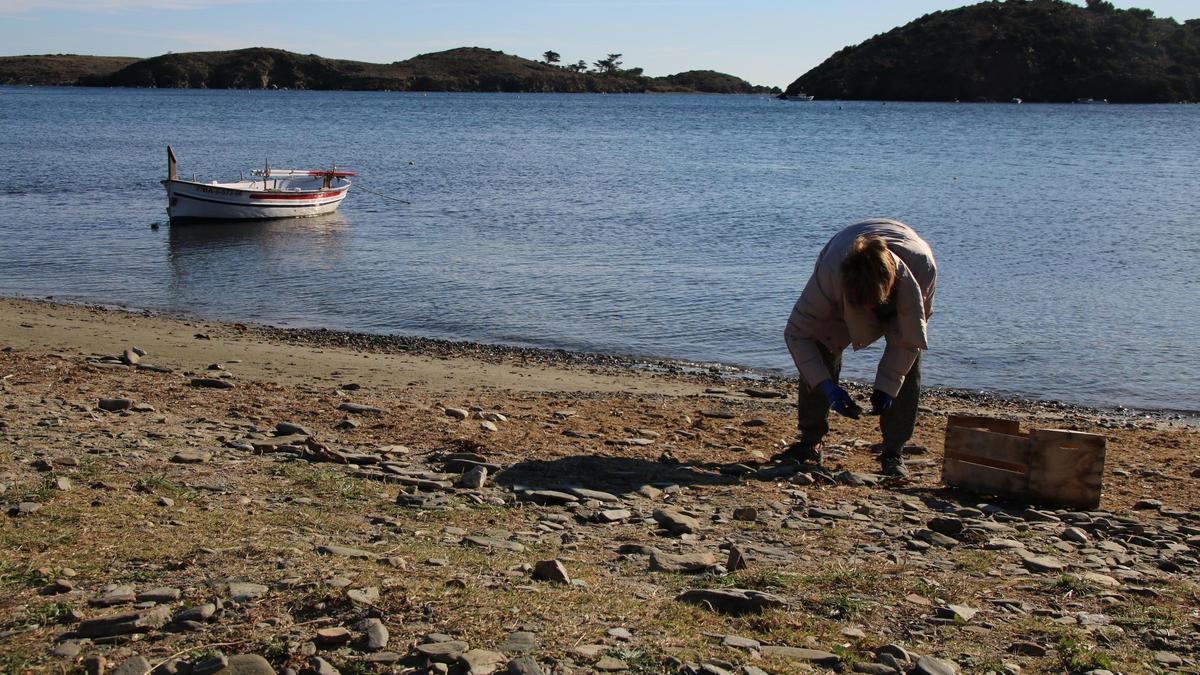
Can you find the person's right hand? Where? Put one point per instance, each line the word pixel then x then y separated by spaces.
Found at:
pixel 839 400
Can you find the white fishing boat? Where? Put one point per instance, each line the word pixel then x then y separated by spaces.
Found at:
pixel 798 96
pixel 269 193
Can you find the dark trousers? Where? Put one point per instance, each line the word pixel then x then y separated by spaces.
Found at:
pixel 896 423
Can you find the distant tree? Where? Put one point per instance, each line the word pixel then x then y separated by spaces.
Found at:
pixel 551 57
pixel 578 66
pixel 609 65
pixel 1100 6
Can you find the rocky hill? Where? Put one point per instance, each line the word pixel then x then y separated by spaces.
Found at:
pixel 58 69
pixel 1036 50
pixel 464 69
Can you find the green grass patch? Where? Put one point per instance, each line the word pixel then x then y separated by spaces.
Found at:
pixel 1077 656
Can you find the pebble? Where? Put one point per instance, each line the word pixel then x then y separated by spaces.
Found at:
pixel 291 429
pixel 357 409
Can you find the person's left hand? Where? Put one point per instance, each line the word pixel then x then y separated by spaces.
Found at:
pixel 880 402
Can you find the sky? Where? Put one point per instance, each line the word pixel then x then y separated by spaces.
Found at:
pixel 768 42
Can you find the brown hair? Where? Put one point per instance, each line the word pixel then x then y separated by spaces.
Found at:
pixel 868 272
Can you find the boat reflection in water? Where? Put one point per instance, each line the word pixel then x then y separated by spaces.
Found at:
pixel 285 267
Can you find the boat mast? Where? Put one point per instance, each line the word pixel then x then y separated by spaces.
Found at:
pixel 170 163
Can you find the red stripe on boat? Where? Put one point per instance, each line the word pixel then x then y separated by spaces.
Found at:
pixel 284 195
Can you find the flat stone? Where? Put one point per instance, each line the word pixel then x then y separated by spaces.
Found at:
pixel 376 633
pixel 332 636
pixel 492 542
pixel 117 595
pixel 598 495
pixel 67 649
pixel 424 500
pixel 735 601
pixel 25 509
pixel 474 478
pixel 957 612
pixel 520 641
pixel 689 563
pixel 932 665
pixel 613 515
pixel 322 667
pixel 457 413
pixel 291 429
pixel 745 513
pixel 358 409
pixel 549 497
pixel 241 591
pixel 675 521
pixel 525 665
pixel 481 661
pixel 607 664
pixel 126 623
pixel 162 594
pixel 814 656
pixel 739 642
pixel 345 552
pixel 1027 648
pixel 1076 535
pixel 191 457
pixel 1043 563
pixel 364 596
pixel 443 652
pixel 196 613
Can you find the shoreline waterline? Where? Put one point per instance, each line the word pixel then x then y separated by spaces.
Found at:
pixel 715 375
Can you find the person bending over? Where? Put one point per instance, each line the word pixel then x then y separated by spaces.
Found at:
pixel 873 279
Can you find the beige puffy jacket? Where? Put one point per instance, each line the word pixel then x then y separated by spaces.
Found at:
pixel 821 316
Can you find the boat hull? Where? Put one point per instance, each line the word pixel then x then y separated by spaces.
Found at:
pixel 199 202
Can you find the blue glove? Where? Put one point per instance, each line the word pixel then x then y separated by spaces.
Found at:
pixel 880 402
pixel 839 400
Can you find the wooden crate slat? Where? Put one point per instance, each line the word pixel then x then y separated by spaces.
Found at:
pixel 990 423
pixel 984 461
pixel 1066 467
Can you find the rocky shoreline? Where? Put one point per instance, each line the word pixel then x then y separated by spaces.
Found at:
pixel 196 497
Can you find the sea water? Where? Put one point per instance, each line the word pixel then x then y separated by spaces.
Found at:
pixel 672 226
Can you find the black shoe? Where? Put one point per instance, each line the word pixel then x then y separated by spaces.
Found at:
pixel 892 465
pixel 803 453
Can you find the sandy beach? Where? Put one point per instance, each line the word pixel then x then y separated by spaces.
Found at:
pixel 196 496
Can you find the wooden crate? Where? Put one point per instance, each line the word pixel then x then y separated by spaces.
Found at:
pixel 1040 466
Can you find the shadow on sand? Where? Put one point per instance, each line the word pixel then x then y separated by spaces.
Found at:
pixel 616 475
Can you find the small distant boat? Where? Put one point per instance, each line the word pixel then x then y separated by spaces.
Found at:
pixel 798 96
pixel 270 193
pixel 1091 101
pixel 1017 101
